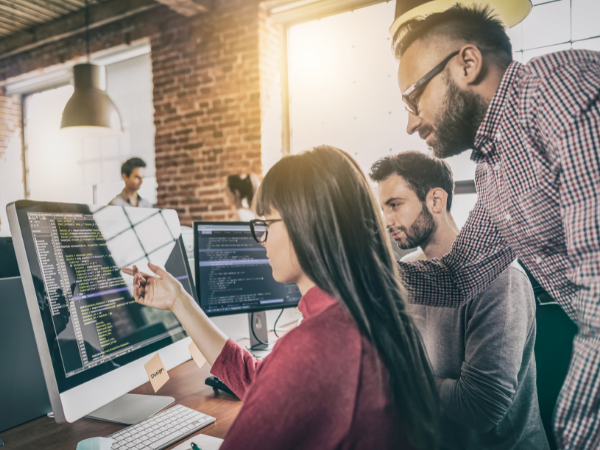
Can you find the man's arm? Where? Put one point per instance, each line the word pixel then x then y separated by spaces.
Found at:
pixel 479 254
pixel 567 108
pixel 500 325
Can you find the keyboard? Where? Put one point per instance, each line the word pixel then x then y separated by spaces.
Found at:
pixel 161 430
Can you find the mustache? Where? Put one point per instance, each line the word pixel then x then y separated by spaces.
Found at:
pixel 425 130
pixel 392 230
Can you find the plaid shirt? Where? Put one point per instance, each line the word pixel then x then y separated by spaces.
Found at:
pixel 538 184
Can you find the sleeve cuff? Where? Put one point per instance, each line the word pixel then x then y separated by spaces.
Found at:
pixel 229 350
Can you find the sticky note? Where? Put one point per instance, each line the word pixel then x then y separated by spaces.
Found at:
pixel 157 374
pixel 97 443
pixel 197 355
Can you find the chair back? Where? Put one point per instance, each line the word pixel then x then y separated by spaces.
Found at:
pixel 553 348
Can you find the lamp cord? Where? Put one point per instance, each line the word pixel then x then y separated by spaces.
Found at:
pixel 87 29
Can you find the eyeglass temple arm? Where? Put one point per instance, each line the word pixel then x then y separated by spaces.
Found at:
pixel 429 75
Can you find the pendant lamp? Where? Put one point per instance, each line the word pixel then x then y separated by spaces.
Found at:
pixel 511 12
pixel 90 111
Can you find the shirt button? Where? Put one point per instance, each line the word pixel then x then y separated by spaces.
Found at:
pixel 496 167
pixel 507 217
pixel 498 136
pixel 538 260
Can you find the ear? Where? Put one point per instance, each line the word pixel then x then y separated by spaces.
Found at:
pixel 437 199
pixel 468 69
pixel 125 177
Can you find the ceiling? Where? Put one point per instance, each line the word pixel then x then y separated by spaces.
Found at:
pixel 22 15
pixel 25 24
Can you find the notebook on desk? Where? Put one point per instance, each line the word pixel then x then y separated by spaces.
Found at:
pixel 203 441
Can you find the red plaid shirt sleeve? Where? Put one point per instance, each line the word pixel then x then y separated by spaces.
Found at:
pixel 569 131
pixel 479 254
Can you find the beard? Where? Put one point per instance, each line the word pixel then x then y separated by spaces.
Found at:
pixel 460 118
pixel 419 233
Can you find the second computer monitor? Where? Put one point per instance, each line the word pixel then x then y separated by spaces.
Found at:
pixel 233 274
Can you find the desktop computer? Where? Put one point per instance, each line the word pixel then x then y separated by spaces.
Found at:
pixel 93 339
pixel 233 276
pixel 23 393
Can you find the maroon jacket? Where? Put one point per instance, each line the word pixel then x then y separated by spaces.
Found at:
pixel 318 389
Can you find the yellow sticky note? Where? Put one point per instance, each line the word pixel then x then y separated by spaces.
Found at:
pixel 197 355
pixel 156 372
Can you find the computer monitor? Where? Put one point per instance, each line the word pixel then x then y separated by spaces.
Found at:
pixel 8 260
pixel 92 337
pixel 233 276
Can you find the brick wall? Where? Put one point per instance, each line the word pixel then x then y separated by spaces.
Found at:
pixel 11 167
pixel 209 95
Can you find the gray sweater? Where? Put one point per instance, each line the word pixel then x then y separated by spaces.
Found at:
pixel 484 350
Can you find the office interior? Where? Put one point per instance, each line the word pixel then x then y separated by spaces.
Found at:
pixel 211 88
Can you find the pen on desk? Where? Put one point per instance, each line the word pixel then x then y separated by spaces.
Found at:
pixel 195 447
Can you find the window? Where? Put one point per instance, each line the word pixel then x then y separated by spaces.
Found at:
pixel 557 25
pixel 344 92
pixel 343 80
pixel 67 169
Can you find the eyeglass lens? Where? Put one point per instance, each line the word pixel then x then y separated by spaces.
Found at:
pixel 260 231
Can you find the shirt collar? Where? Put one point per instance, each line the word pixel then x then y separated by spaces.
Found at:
pixel 490 125
pixel 125 197
pixel 314 302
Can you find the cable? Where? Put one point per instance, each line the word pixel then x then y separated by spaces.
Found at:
pixel 87 30
pixel 254 334
pixel 275 326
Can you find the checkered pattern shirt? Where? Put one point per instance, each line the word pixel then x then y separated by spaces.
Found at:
pixel 538 184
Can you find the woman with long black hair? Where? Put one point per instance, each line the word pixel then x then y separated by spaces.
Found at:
pixel 239 193
pixel 353 375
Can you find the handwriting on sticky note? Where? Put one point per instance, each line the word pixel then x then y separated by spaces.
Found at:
pixel 197 355
pixel 157 374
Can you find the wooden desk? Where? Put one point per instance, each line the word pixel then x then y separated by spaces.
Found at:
pixel 186 385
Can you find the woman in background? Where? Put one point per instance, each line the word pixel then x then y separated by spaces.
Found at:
pixel 353 374
pixel 239 193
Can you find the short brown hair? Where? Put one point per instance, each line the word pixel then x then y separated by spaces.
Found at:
pixel 475 24
pixel 421 171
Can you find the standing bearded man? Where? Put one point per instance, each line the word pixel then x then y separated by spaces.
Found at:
pixel 535 134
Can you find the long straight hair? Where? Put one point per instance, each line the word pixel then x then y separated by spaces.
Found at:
pixel 338 234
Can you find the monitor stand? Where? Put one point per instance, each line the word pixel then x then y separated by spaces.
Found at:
pixel 259 334
pixel 131 408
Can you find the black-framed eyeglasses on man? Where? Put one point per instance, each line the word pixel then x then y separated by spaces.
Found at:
pixel 260 229
pixel 411 95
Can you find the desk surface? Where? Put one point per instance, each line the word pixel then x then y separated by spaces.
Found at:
pixel 186 385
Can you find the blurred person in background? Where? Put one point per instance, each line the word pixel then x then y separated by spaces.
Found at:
pixel 132 172
pixel 239 193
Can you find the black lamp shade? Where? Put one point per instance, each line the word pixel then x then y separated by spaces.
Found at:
pixel 90 111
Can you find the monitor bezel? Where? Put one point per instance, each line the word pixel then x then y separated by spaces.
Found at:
pixel 78 401
pixel 197 274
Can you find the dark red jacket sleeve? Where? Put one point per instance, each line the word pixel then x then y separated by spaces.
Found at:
pixel 301 398
pixel 236 367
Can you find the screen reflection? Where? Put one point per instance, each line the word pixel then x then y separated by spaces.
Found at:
pixel 94 315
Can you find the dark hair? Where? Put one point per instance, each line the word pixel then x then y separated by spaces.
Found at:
pixel 338 235
pixel 243 186
pixel 421 171
pixel 130 164
pixel 475 24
